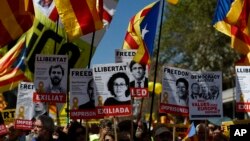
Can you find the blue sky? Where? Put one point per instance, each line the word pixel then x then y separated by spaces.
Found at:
pixel 114 36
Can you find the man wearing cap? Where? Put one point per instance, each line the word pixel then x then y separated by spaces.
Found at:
pixel 162 133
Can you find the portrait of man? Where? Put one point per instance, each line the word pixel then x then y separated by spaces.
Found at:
pixel 195 91
pixel 90 91
pixel 205 93
pixel 40 108
pixel 182 92
pixel 56 74
pixel 139 74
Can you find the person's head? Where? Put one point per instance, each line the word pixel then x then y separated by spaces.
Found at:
pixel 195 88
pixel 76 132
pixel 202 131
pixel 162 133
pixel 204 89
pixel 39 107
pixel 110 136
pixel 21 109
pixel 56 74
pixel 182 88
pixel 106 123
pixel 137 70
pixel 118 84
pixel 44 127
pixel 90 89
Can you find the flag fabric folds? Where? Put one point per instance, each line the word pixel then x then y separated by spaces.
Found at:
pixel 231 17
pixel 16 17
pixel 238 17
pixel 219 20
pixel 191 132
pixel 141 32
pixel 79 17
pixel 12 66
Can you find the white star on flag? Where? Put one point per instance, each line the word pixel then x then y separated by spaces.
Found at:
pixel 144 31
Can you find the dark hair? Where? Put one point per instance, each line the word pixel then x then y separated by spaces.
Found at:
pixel 56 66
pixel 106 123
pixel 132 64
pixel 113 78
pixel 194 84
pixel 183 80
pixel 90 87
pixel 72 132
pixel 47 123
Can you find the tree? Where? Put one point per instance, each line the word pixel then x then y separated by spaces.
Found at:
pixel 189 40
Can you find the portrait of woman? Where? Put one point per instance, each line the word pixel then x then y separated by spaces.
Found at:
pixel 118 85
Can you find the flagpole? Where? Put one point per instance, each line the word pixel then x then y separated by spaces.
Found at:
pixel 91 49
pixel 156 66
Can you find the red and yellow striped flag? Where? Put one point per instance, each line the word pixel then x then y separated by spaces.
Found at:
pixel 12 64
pixel 16 17
pixel 79 17
pixel 238 18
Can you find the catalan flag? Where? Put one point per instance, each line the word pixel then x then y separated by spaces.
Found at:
pixel 231 17
pixel 238 17
pixel 16 17
pixel 12 66
pixel 141 33
pixel 79 17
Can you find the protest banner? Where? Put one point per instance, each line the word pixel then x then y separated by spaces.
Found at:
pixel 25 107
pixel 82 94
pixel 205 100
pixel 113 95
pixel 242 88
pixel 138 73
pixel 174 97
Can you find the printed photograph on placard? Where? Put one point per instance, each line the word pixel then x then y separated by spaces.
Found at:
pixel 25 106
pixel 174 97
pixel 82 94
pixel 242 88
pixel 205 99
pixel 138 73
pixel 51 78
pixel 112 83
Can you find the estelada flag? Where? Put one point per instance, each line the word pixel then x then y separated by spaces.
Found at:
pixel 16 17
pixel 141 33
pixel 12 66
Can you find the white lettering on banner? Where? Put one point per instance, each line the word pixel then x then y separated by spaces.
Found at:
pixel 113 110
pixel 50 97
pixel 82 114
pixel 174 109
pixel 81 73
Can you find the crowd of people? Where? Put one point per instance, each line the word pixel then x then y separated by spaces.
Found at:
pixel 108 129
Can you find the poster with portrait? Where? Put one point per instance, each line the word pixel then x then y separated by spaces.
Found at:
pixel 112 86
pixel 205 99
pixel 174 97
pixel 82 94
pixel 138 73
pixel 25 107
pixel 242 88
pixel 51 78
pixel 45 6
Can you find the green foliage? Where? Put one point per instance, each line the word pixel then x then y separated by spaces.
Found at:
pixel 189 40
